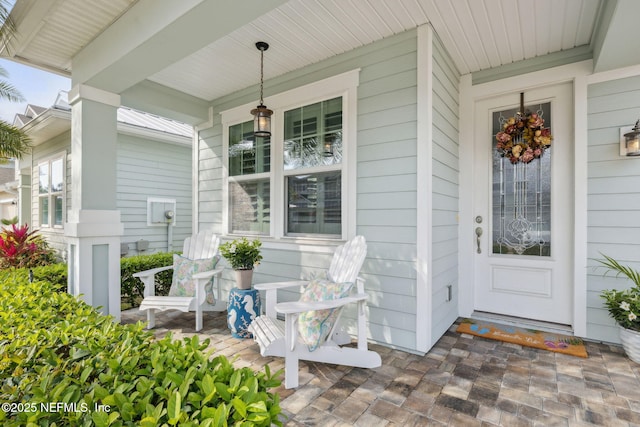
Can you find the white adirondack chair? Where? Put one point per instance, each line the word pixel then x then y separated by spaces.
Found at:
pixel 277 338
pixel 203 245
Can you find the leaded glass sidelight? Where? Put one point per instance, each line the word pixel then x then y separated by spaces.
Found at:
pixel 521 196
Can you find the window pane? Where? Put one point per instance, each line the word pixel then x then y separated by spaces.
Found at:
pixel 57 176
pixel 43 180
pixel 44 210
pixel 314 204
pixel 250 206
pixel 313 135
pixel 248 154
pixel 58 212
pixel 522 196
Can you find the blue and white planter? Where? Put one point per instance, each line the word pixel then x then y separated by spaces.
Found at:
pixel 244 306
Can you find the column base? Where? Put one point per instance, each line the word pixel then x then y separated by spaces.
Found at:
pixel 93 238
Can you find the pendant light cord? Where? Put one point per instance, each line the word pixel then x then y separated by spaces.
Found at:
pixel 261 74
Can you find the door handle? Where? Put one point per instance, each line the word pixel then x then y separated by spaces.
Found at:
pixel 478 234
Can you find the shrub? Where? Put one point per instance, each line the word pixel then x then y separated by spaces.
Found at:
pixel 20 248
pixel 55 274
pixel 132 289
pixel 63 362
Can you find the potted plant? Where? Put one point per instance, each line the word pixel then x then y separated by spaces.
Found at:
pixel 243 256
pixel 624 307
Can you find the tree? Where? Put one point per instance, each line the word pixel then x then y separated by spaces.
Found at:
pixel 14 143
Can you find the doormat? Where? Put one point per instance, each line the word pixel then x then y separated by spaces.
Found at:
pixel 526 337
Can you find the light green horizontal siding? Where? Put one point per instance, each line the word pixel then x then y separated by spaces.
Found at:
pixel 210 177
pixel 613 197
pixel 386 182
pixel 145 168
pixel 387 217
pixel 445 190
pixel 149 168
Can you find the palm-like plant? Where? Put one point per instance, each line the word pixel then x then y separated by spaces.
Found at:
pixel 623 306
pixel 14 143
pixel 621 270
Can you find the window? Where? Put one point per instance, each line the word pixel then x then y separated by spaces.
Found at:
pixel 314 204
pixel 295 183
pixel 51 192
pixel 249 183
pixel 312 168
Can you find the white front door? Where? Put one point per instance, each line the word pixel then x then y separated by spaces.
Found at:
pixel 523 238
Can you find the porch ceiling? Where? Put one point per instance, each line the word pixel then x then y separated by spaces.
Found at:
pixel 64 36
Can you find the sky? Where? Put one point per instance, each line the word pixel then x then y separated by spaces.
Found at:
pixel 36 86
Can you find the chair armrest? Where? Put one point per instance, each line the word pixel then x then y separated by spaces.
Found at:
pixel 152 271
pixel 148 279
pixel 293 307
pixel 207 274
pixel 279 285
pixel 271 295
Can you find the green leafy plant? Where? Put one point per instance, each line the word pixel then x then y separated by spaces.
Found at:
pixel 55 348
pixel 132 288
pixel 241 253
pixel 54 274
pixel 20 247
pixel 623 305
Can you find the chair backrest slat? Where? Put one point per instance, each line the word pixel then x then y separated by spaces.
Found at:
pixel 347 260
pixel 202 245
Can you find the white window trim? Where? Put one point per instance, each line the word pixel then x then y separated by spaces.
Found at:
pixel 48 161
pixel 344 85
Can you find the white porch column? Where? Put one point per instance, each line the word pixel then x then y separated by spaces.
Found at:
pixel 23 176
pixel 93 227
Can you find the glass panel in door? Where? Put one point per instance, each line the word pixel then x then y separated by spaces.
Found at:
pixel 521 185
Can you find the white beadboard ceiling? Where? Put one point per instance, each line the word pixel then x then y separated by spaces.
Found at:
pixel 479 34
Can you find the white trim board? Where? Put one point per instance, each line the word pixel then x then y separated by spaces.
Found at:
pixel 424 159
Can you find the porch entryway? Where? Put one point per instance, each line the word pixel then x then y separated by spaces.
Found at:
pixel 523 207
pixel 461 381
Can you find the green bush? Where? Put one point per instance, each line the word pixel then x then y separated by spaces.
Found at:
pixel 63 363
pixel 131 288
pixel 55 274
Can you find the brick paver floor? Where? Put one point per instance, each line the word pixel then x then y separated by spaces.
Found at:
pixel 462 381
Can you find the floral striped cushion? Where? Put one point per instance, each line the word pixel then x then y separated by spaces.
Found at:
pixel 314 326
pixel 183 268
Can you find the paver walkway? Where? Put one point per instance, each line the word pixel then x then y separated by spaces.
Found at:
pixel 462 381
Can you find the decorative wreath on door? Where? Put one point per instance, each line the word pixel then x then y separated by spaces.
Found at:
pixel 523 137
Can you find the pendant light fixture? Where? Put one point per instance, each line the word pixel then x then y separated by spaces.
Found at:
pixel 261 114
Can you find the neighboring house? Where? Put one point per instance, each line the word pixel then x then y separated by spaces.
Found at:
pixel 153 175
pixel 8 190
pixel 384 125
